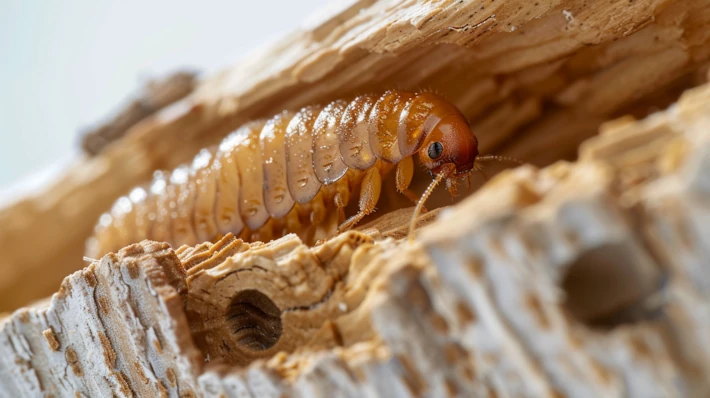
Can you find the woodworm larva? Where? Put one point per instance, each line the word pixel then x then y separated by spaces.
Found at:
pixel 267 177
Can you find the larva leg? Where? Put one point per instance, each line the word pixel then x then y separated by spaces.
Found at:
pixel 403 177
pixel 342 197
pixel 293 223
pixel 369 195
pixel 340 205
pixel 318 210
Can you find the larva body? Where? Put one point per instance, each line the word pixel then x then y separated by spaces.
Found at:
pixel 269 177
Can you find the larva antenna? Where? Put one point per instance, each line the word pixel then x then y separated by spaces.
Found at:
pixel 477 166
pixel 499 158
pixel 439 177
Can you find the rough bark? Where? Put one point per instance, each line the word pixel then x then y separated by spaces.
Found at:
pixel 535 78
pixel 578 279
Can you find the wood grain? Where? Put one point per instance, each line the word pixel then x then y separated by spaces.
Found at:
pixel 584 278
pixel 535 79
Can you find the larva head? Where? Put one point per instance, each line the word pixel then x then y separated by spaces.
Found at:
pixel 450 144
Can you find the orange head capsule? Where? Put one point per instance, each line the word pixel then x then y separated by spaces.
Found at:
pixel 449 148
pixel 450 143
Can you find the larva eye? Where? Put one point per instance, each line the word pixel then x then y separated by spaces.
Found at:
pixel 435 150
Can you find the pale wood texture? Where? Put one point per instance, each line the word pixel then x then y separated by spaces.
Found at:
pixel 580 279
pixel 535 77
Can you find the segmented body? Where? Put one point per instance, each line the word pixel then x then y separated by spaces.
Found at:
pixel 271 177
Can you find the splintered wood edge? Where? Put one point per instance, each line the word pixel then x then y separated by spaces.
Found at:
pixel 535 79
pixel 116 327
pixel 488 300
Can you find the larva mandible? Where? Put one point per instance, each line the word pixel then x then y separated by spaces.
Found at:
pixel 266 175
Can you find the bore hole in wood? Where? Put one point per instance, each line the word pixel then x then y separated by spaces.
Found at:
pixel 254 320
pixel 613 284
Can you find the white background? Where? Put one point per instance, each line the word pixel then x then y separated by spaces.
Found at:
pixel 65 65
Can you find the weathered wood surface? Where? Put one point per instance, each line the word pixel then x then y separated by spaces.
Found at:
pixel 579 279
pixel 535 78
pixel 155 95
